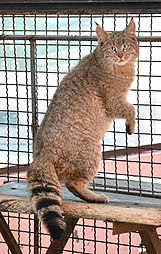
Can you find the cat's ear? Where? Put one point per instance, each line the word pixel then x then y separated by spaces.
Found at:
pixel 102 35
pixel 130 29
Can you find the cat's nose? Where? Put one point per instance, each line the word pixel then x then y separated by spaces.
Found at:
pixel 120 54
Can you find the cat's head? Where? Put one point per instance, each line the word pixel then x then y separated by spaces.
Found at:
pixel 118 48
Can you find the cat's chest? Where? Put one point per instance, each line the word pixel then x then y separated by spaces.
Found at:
pixel 115 86
pixel 124 72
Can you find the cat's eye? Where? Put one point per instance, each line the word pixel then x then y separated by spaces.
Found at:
pixel 113 49
pixel 125 47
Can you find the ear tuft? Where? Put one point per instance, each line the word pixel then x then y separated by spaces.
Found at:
pixel 130 29
pixel 102 35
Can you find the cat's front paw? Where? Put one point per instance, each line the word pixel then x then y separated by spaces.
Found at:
pixel 103 198
pixel 128 130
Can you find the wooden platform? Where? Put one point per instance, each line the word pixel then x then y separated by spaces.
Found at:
pixel 127 212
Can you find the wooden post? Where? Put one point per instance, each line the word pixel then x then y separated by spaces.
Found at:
pixel 147 233
pixel 151 241
pixel 8 236
pixel 57 247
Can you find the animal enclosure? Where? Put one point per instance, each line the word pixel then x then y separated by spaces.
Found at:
pixel 36 50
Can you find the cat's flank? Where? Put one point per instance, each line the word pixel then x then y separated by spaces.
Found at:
pixel 67 146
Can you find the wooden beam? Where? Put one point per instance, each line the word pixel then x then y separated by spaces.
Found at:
pixel 112 212
pixel 121 227
pixel 8 236
pixel 151 241
pixel 131 150
pixel 14 169
pixel 57 247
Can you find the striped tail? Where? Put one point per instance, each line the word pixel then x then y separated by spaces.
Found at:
pixel 46 198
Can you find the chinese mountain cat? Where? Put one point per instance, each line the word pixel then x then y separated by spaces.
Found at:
pixel 67 146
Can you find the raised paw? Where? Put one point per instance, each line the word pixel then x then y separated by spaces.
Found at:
pixel 128 130
pixel 130 127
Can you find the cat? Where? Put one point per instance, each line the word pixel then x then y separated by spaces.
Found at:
pixel 67 145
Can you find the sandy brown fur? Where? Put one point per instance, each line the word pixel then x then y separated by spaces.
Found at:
pixel 67 146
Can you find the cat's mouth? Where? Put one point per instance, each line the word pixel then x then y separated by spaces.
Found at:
pixel 121 62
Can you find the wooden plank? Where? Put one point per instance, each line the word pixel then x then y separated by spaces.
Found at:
pixel 19 191
pixel 110 186
pixel 16 189
pixel 8 236
pixel 57 247
pixel 121 208
pixel 134 213
pixel 151 241
pixel 113 213
pixel 107 212
pixel 123 186
pixel 120 228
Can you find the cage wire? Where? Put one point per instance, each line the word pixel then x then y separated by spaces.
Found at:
pixel 32 64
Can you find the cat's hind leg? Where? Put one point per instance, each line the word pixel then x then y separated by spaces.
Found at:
pixel 82 169
pixel 79 189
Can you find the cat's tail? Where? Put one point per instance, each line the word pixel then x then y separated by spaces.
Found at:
pixel 46 197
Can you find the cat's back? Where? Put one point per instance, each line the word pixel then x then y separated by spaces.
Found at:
pixel 76 109
pixel 77 89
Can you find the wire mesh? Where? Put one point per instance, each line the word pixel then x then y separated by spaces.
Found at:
pixel 34 57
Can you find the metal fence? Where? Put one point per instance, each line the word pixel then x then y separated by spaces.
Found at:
pixel 36 51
